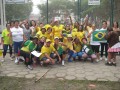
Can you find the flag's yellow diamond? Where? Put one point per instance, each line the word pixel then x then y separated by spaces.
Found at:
pixel 100 35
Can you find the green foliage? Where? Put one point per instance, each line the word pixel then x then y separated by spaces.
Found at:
pixel 18 11
pixel 102 11
pixel 55 6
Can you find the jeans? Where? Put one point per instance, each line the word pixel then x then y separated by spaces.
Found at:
pixel 5 48
pixel 70 53
pixel 79 54
pixel 17 46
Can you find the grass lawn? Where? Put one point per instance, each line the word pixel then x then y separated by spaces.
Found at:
pixel 12 83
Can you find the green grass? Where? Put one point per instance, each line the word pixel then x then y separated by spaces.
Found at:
pixel 11 83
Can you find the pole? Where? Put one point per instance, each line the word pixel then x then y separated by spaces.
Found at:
pixel 1 11
pixel 78 9
pixel 4 15
pixel 47 11
pixel 112 13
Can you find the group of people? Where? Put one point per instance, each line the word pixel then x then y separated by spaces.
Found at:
pixel 57 41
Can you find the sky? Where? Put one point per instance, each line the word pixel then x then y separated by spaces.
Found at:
pixel 35 3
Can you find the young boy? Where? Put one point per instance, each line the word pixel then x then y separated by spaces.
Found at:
pixel 87 51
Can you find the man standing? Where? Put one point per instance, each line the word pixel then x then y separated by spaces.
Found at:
pixel 17 36
pixel 6 41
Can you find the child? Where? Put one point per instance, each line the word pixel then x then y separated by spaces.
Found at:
pixel 87 51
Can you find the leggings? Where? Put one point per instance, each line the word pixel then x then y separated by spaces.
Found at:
pixel 102 49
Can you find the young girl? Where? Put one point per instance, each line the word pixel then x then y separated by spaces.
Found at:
pixel 112 38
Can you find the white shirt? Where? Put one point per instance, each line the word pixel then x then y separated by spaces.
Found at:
pixel 94 42
pixel 17 34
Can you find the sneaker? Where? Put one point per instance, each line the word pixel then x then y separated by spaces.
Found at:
pixel 108 64
pixel 101 59
pixel 97 60
pixel 16 61
pixel 11 58
pixel 114 63
pixel 3 59
pixel 106 59
pixel 30 67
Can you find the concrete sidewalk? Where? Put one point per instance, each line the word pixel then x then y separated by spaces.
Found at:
pixel 74 70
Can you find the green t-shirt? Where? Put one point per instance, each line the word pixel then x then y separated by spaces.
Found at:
pixel 87 49
pixel 6 37
pixel 30 45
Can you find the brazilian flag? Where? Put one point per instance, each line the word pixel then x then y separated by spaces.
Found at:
pixel 99 36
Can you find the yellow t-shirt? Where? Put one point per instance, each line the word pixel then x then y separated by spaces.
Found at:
pixel 47 26
pixel 49 36
pixel 69 44
pixel 74 32
pixel 57 31
pixel 80 35
pixel 77 48
pixel 39 34
pixel 61 26
pixel 47 50
pixel 38 29
pixel 6 38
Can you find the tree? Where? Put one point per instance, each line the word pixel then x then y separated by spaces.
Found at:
pixel 56 8
pixel 18 11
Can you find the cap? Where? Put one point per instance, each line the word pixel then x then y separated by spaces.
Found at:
pixel 43 28
pixel 35 37
pixel 48 40
pixel 56 38
pixel 69 35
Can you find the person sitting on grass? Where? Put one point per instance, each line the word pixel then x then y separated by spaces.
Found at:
pixel 87 51
pixel 27 48
pixel 49 53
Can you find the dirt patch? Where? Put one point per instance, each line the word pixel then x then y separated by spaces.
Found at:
pixel 11 83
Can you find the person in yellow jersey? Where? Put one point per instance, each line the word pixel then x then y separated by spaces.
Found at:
pixel 49 53
pixel 69 46
pixel 49 34
pixel 38 28
pixel 41 33
pixel 57 32
pixel 80 33
pixel 47 26
pixel 66 30
pixel 6 41
pixel 77 46
pixel 75 28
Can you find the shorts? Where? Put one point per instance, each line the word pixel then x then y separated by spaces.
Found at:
pixel 45 58
pixel 95 48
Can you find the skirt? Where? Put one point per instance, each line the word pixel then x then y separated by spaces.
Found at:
pixel 115 48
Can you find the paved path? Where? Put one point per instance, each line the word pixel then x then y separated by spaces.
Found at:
pixel 75 70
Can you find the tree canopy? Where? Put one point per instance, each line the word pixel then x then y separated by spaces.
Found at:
pixel 18 11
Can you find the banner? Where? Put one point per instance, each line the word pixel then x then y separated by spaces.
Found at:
pixel 99 35
pixel 93 2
